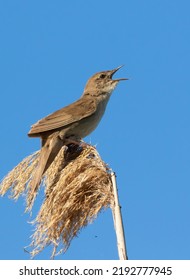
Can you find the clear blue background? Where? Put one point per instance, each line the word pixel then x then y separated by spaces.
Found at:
pixel 48 50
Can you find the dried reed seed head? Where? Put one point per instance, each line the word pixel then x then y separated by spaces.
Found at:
pixel 75 199
pixel 17 180
pixel 77 188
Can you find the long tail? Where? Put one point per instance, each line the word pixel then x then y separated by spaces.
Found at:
pixel 48 152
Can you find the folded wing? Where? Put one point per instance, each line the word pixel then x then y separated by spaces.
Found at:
pixel 76 111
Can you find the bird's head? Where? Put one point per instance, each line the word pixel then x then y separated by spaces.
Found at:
pixel 102 83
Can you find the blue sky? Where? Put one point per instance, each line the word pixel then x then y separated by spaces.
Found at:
pixel 48 50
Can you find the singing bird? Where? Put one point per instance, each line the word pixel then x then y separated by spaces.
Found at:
pixel 73 122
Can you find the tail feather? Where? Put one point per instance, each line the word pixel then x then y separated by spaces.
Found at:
pixel 48 153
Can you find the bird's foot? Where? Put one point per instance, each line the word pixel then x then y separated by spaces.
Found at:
pixel 75 142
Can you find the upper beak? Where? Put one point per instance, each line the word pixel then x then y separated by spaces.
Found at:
pixel 114 71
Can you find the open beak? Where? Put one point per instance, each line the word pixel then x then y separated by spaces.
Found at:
pixel 114 71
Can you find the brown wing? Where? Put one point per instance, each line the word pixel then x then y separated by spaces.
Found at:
pixel 78 110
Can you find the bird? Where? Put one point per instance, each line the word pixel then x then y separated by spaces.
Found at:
pixel 74 122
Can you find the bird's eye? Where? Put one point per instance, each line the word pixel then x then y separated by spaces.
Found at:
pixel 102 76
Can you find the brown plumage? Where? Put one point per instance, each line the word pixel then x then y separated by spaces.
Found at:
pixel 73 122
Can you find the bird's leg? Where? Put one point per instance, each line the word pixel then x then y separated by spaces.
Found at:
pixel 73 140
pixel 74 146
